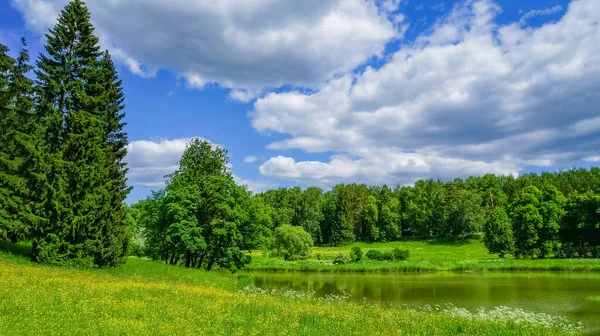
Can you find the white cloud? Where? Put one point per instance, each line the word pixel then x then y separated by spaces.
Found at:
pixel 250 159
pixel 540 12
pixel 150 160
pixel 248 45
pixel 468 97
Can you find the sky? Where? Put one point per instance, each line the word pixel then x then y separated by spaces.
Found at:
pixel 313 92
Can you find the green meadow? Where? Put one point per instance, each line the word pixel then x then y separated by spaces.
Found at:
pixel 425 256
pixel 149 298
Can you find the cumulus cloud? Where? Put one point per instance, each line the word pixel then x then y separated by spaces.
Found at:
pixel 247 45
pixel 150 160
pixel 250 159
pixel 468 97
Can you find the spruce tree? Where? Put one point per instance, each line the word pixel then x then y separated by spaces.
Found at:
pixel 114 230
pixel 72 84
pixel 18 210
pixel 6 66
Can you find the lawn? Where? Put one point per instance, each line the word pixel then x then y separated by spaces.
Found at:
pixel 425 256
pixel 150 298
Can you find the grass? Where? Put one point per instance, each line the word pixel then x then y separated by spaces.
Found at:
pixel 150 298
pixel 595 298
pixel 425 256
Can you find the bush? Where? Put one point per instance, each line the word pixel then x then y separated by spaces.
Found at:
pixel 340 259
pixel 400 254
pixel 356 254
pixel 374 255
pixel 388 255
pixel 318 256
pixel 292 242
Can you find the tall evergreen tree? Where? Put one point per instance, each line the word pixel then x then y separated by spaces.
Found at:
pixel 6 66
pixel 113 229
pixel 18 126
pixel 72 83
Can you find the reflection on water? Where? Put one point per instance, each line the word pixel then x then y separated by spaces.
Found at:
pixel 553 293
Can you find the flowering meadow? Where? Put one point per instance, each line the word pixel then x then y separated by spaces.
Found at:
pixel 150 298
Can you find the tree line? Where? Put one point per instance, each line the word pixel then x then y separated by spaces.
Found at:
pixel 62 175
pixel 533 215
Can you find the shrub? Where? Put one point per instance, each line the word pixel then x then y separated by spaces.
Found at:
pixel 388 255
pixel 318 256
pixel 374 255
pixel 356 254
pixel 292 242
pixel 340 259
pixel 400 254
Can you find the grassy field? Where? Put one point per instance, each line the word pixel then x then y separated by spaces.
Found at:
pixel 150 298
pixel 425 256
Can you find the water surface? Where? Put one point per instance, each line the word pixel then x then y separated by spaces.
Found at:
pixel 553 293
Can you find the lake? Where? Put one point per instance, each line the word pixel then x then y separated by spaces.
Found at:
pixel 553 293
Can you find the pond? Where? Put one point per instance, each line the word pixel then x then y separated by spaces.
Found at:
pixel 562 294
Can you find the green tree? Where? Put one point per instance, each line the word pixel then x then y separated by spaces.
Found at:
pixel 389 220
pixel 342 228
pixel 72 86
pixel 371 219
pixel 498 236
pixel 465 214
pixel 17 209
pixel 552 210
pixel 199 218
pixel 307 212
pixel 258 230
pixel 581 223
pixel 115 233
pixel 292 242
pixel 527 221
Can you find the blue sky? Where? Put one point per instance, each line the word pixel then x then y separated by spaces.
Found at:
pixel 372 91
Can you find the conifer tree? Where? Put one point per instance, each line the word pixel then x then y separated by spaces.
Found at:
pixel 6 65
pixel 114 230
pixel 18 209
pixel 72 83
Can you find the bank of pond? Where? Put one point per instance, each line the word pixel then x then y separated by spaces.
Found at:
pixel 424 256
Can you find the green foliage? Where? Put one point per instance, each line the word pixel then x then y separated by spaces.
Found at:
pixel 341 259
pixel 400 254
pixel 199 218
pixel 371 219
pixel 527 220
pixel 465 214
pixel 17 206
pixel 292 242
pixel 389 216
pixel 76 174
pixel 498 236
pixel 307 212
pixel 581 223
pixel 374 255
pixel 356 254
